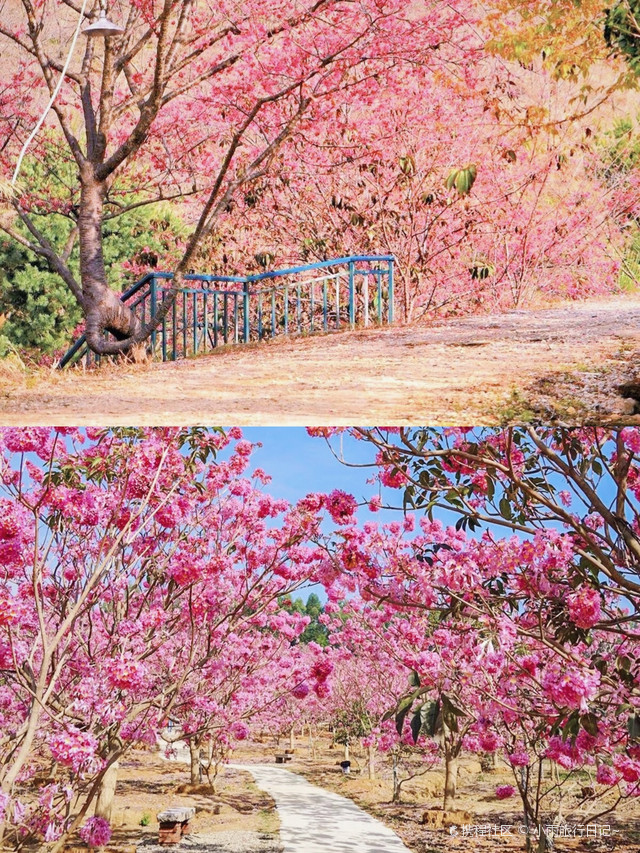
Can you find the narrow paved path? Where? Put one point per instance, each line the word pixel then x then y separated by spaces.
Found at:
pixel 313 820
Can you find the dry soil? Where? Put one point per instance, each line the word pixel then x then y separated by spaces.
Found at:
pixel 562 363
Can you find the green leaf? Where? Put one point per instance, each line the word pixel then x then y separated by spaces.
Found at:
pixel 430 715
pixel 571 726
pixel 624 663
pixel 589 723
pixel 414 679
pixel 416 725
pixel 633 726
pixel 505 507
pixel 401 716
pixel 462 179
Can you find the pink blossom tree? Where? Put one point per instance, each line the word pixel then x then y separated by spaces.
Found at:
pixel 135 566
pixel 192 100
pixel 480 204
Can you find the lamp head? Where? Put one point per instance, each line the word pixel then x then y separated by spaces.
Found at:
pixel 103 27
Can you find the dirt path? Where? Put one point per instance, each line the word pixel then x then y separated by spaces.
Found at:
pixel 475 370
pixel 313 820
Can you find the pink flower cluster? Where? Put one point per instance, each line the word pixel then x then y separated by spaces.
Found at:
pixel 488 741
pixel 629 768
pixel 519 758
pixel 570 687
pixel 389 475
pixel 29 440
pixel 9 522
pixel 239 730
pixel 322 669
pixel 96 832
pixel 503 792
pixel 341 506
pixel 74 749
pixel 9 610
pixel 124 672
pixel 606 775
pixel 584 607
pixel 185 571
pixel 562 752
pixel 300 691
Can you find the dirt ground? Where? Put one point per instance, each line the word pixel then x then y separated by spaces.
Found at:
pixel 563 364
pixel 476 810
pixel 147 784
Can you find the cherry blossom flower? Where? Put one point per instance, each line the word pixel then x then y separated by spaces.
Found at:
pixel 96 832
pixel 584 607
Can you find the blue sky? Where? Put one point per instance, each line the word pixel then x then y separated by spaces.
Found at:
pixel 300 464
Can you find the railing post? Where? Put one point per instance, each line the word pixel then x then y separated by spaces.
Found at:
pixel 185 297
pixel 390 297
pixel 273 312
pixel 153 305
pixel 174 329
pixel 247 329
pixel 194 296
pixel 365 297
pixel 352 294
pixel 325 319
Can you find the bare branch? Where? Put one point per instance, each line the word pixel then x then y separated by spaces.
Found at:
pixel 44 248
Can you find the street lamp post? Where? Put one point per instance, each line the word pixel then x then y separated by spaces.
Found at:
pixel 104 28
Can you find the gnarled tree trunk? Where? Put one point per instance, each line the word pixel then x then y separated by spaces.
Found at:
pixel 102 307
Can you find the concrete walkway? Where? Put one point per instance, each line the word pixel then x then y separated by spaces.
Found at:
pixel 313 820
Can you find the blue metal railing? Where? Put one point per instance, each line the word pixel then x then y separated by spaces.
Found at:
pixel 212 310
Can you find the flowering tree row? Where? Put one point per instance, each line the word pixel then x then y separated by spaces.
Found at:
pixel 483 189
pixel 191 100
pixel 142 597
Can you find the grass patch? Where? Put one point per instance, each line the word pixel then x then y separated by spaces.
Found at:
pixel 517 410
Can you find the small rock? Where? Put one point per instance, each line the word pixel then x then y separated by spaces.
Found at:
pixel 623 406
pixel 630 389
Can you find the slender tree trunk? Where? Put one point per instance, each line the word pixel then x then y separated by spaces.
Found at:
pixel 106 794
pixel 450 779
pixel 102 307
pixel 395 797
pixel 346 750
pixel 544 843
pixel 211 764
pixel 488 762
pixel 372 761
pixel 292 738
pixel 194 753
